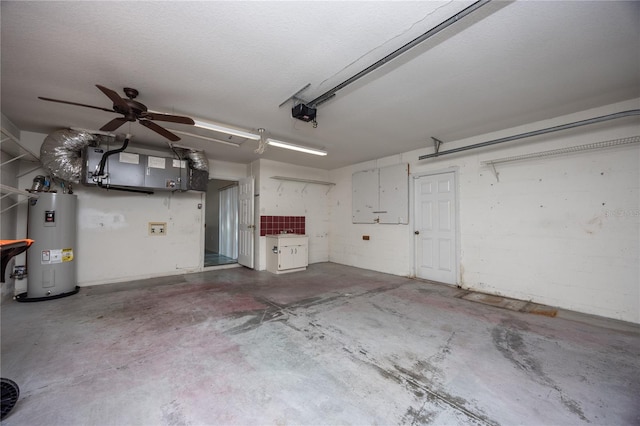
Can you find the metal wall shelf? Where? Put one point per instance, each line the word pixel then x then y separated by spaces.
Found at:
pixel 10 145
pixel 305 181
pixel 560 151
pixel 292 179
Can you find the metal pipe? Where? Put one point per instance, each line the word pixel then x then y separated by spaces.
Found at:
pixel 594 120
pixel 433 31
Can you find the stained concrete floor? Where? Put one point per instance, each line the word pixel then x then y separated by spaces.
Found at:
pixel 333 345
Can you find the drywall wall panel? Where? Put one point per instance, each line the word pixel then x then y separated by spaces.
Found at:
pixel 287 198
pixel 386 249
pixel 226 170
pixel 114 243
pixel 563 231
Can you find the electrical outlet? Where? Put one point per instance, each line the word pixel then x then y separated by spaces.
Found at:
pixel 157 228
pixel 365 237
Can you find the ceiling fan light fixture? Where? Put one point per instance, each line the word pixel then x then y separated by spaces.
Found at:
pixel 227 130
pixel 294 147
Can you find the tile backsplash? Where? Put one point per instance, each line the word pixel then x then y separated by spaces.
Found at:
pixel 277 224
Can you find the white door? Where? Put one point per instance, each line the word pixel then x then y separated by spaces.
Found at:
pixel 435 228
pixel 246 226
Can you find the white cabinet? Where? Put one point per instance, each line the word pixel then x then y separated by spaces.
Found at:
pixel 287 253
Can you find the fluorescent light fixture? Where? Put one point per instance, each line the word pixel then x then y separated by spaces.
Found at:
pixel 220 128
pixel 294 147
pixel 204 138
pixel 227 130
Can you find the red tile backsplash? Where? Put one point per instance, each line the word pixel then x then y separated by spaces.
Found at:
pixel 277 224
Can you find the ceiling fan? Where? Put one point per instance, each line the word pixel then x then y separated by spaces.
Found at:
pixel 131 110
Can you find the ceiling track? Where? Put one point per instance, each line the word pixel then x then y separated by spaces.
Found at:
pixel 413 43
pixel 572 125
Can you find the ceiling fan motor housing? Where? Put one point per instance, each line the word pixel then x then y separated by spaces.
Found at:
pixel 135 109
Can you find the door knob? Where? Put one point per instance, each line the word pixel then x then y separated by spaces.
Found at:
pixel 416 232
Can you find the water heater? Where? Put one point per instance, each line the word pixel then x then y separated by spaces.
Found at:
pixel 51 259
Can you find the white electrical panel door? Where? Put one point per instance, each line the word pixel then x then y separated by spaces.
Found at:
pixel 394 194
pixel 364 197
pixel 381 195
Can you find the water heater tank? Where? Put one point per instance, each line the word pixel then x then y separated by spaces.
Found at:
pixel 51 260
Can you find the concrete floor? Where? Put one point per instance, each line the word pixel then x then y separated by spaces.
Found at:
pixel 332 345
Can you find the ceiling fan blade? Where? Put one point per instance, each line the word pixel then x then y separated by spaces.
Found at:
pixel 115 98
pixel 74 103
pixel 113 124
pixel 160 130
pixel 167 117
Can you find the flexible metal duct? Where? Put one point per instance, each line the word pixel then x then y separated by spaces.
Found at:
pixel 60 154
pixel 198 160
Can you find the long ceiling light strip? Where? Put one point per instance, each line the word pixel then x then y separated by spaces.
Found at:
pixel 294 147
pixel 220 128
pixel 204 137
pixel 227 130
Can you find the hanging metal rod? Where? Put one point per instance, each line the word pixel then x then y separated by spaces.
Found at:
pixel 567 150
pixel 594 120
pixel 433 31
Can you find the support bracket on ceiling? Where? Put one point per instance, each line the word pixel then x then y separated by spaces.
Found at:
pixel 295 97
pixel 436 145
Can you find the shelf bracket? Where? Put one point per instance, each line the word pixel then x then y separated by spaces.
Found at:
pixel 495 172
pixel 436 144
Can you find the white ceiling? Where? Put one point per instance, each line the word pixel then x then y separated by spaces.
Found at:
pixel 235 62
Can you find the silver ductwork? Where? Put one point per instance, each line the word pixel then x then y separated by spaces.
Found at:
pixel 61 154
pixel 79 156
pixel 198 160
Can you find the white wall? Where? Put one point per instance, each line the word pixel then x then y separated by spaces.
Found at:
pixel 387 249
pixel 113 240
pixel 285 198
pixel 563 231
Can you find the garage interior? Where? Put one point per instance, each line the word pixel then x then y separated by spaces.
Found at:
pixel 429 212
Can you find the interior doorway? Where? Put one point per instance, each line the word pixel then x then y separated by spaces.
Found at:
pixel 221 223
pixel 436 224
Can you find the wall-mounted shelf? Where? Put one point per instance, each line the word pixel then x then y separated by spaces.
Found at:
pixel 305 181
pixel 292 179
pixel 560 151
pixel 7 191
pixel 11 146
